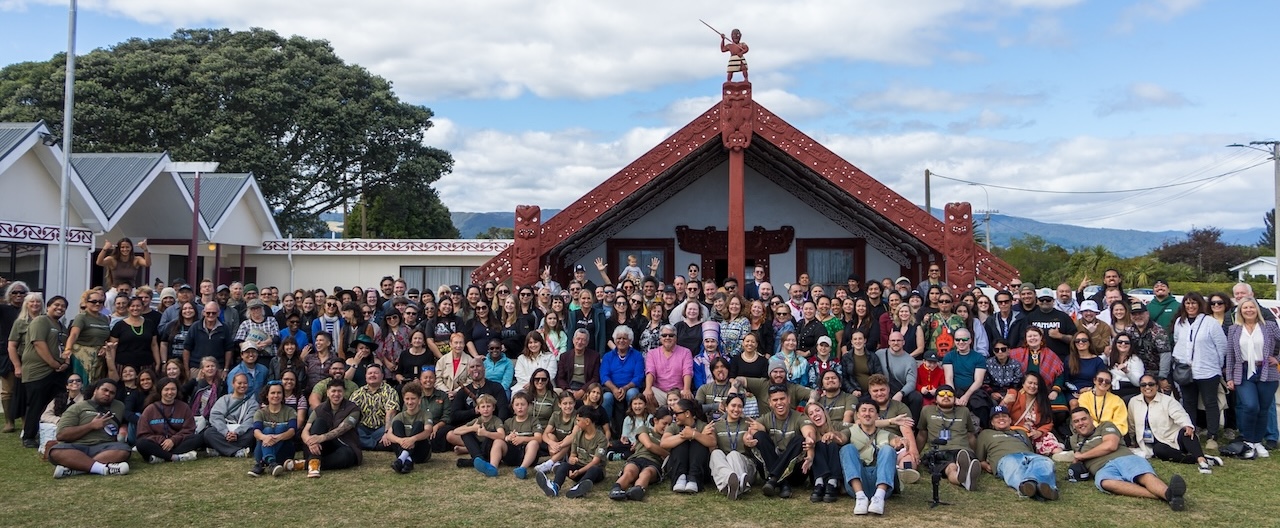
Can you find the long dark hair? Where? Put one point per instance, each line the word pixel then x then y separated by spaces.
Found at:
pixel 692 406
pixel 158 386
pixel 1043 410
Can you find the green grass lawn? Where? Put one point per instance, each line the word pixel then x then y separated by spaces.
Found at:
pixel 217 492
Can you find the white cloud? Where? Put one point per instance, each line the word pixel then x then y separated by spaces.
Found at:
pixel 924 99
pixel 578 48
pixel 988 119
pixel 1139 96
pixel 1158 10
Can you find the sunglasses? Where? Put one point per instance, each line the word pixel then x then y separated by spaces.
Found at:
pixel 492 348
pixel 636 301
pixel 70 381
pixel 942 301
pixel 481 307
pixel 782 314
pixel 998 349
pixel 488 288
pixel 1122 342
pixel 540 380
pixel 526 294
pixel 946 394
pixel 1147 384
pixel 1082 340
pixel 962 340
pixel 1101 380
pixel 410 313
pixel 1217 303
pixel 18 292
pixel 610 291
pixel 1004 301
pixel 94 301
pixel 667 335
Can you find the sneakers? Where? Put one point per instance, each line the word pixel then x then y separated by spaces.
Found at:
pixel 295 465
pixel 617 493
pixel 908 476
pixel 832 491
pixel 770 488
pixel 1048 492
pixel 258 469
pixel 1270 444
pixel 1211 444
pixel 154 459
pixel 397 465
pixel 733 487
pixel 548 487
pixel 545 467
pixel 862 505
pixel 407 466
pixel 313 468
pixel 275 470
pixel 1064 456
pixel 969 469
pixel 119 468
pixel 614 456
pixel 678 487
pixel 1204 468
pixel 521 472
pixel 818 491
pixel 1249 453
pixel 579 490
pixel 1261 450
pixel 243 453
pixel 636 493
pixel 64 472
pixel 466 462
pixel 209 452
pixel 691 486
pixel 1176 493
pixel 189 456
pixel 484 467
pixel 1027 489
pixel 877 504
pixel 1213 460
pixel 784 491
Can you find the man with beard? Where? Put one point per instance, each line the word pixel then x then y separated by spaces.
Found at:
pixel 869 459
pixel 1007 454
pixel 1057 326
pixel 778 443
pixel 951 430
pixel 89 436
pixel 1007 323
pixel 1114 468
pixel 378 404
pixel 1110 281
pixel 463 405
pixel 894 416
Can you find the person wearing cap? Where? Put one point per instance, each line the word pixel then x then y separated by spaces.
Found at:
pixel 1007 453
pixel 1149 341
pixel 950 429
pixel 184 295
pixel 929 376
pixel 1110 281
pixel 822 361
pixel 259 329
pixel 256 373
pixel 1100 334
pixel 1163 307
pixel 1114 468
pixel 1058 326
pixel 1026 301
pixel 903 287
pixel 777 440
pixel 378 404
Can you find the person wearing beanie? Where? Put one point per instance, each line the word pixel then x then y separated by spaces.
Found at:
pixel 709 351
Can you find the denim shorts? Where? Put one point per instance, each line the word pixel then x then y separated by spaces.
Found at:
pixel 1127 468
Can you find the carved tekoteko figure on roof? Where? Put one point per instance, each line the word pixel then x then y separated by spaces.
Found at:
pixel 736 48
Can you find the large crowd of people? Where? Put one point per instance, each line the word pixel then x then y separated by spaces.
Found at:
pixel 850 389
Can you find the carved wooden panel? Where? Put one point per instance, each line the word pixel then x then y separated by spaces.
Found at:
pixel 960 249
pixel 736 115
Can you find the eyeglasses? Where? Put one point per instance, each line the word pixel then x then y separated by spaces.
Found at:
pixel 782 314
pixel 1082 340
pixel 944 301
pixel 667 335
pixel 492 348
pixel 410 313
pixel 610 291
pixel 1125 342
pixel 504 292
pixel 526 294
pixel 488 288
pixel 731 287
pixel 935 270
pixel 18 292
pixel 1146 384
pixel 946 394
pixel 637 301
pixel 481 307
pixel 74 380
pixel 1015 284
pixel 330 305
pixel 211 313
pixel 1003 301
pixel 1101 379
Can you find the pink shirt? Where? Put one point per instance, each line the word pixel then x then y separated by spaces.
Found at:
pixel 669 372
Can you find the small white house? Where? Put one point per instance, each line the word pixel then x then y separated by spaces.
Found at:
pixel 1257 267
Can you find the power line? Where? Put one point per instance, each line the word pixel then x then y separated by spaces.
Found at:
pixel 1142 189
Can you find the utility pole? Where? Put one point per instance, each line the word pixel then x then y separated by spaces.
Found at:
pixel 928 203
pixel 987 220
pixel 1273 148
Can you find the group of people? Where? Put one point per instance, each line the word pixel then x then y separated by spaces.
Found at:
pixel 847 390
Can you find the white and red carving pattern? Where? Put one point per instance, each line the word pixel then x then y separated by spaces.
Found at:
pixel 324 245
pixel 42 233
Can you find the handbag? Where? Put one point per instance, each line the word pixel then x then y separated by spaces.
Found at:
pixel 1181 372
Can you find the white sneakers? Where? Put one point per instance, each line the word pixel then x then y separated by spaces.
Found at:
pixel 119 468
pixel 877 504
pixel 1261 450
pixel 187 457
pixel 64 472
pixel 862 505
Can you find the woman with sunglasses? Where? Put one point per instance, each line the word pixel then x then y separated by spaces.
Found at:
pixel 516 325
pixel 688 441
pixel 484 326
pixel 1163 429
pixel 1103 406
pixel 393 339
pixel 1251 371
pixel 1126 367
pixel 73 394
pixel 497 367
pixel 1222 310
pixel 782 325
pixel 1198 341
pixel 1083 366
pixel 89 332
pixel 622 315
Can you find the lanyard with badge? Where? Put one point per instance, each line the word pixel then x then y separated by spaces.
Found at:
pixel 945 434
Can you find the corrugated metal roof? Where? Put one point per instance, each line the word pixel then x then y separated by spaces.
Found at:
pixel 112 178
pixel 216 193
pixel 13 133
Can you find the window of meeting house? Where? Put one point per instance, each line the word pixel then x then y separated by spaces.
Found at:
pixel 432 277
pixel 828 265
pixel 24 262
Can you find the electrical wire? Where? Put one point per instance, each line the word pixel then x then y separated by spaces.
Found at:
pixel 1119 191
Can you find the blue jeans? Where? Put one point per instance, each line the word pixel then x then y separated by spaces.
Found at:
pixel 1016 468
pixel 1253 398
pixel 607 404
pixel 369 438
pixel 884 471
pixel 278 452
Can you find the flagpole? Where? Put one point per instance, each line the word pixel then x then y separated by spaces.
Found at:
pixel 68 103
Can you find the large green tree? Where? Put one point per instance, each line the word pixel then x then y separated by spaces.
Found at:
pixel 313 129
pixel 1036 259
pixel 1204 250
pixel 401 211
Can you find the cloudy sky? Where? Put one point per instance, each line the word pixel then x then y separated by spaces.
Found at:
pixel 541 101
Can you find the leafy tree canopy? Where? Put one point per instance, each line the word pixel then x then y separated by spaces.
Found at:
pixel 401 211
pixel 313 129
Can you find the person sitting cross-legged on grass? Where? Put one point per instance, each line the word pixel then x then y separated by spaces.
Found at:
pixel 644 466
pixel 89 435
pixel 731 467
pixel 586 463
pixel 1009 454
pixel 479 437
pixel 274 426
pixel 822 441
pixel 412 429
pixel 167 428
pixel 559 431
pixel 231 421
pixel 1114 469
pixel 330 439
pixel 869 461
pixel 524 434
pixel 777 440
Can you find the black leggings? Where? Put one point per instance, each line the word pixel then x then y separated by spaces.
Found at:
pixel 421 451
pixel 148 448
pixel 1187 452
pixel 1203 391
pixel 477 447
pixel 39 393
pixel 826 461
pixel 775 463
pixel 595 474
pixel 689 458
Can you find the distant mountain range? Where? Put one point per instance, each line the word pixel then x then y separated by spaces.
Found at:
pixel 1123 242
pixel 1004 228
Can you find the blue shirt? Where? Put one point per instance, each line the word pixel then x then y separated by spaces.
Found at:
pixel 963 368
pixel 300 336
pixel 501 372
pixel 258 378
pixel 622 370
